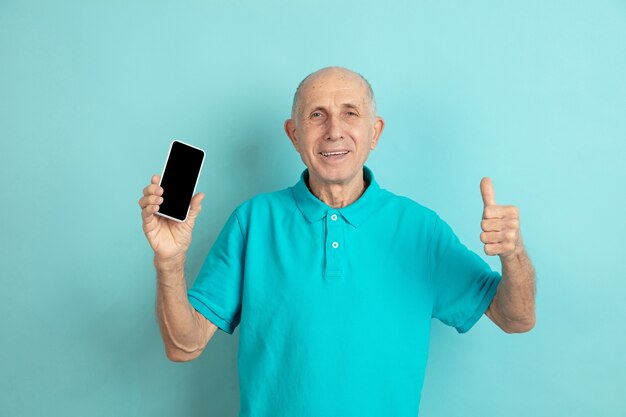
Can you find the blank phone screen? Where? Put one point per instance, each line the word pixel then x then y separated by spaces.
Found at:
pixel 179 179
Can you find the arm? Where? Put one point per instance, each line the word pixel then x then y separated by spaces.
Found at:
pixel 184 331
pixel 513 306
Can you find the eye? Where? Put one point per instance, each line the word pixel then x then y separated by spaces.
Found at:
pixel 351 113
pixel 316 115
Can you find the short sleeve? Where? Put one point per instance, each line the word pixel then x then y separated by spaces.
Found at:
pixel 463 282
pixel 217 291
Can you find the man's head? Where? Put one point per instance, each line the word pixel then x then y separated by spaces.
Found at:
pixel 296 97
pixel 334 125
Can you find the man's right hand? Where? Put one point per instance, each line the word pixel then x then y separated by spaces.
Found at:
pixel 168 238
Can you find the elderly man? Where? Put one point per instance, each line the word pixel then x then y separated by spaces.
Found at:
pixel 334 281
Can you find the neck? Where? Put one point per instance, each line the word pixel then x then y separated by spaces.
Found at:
pixel 338 195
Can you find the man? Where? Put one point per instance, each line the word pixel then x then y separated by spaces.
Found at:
pixel 334 281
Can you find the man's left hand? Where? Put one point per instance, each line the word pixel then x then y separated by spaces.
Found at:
pixel 500 224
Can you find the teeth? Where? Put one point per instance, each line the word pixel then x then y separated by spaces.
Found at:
pixel 334 153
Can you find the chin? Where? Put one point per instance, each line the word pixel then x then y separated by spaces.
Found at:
pixel 336 175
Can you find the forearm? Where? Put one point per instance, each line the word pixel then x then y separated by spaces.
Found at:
pixel 179 327
pixel 515 297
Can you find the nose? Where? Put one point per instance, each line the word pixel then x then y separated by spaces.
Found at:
pixel 335 128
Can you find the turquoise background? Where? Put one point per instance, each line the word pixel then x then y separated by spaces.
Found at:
pixel 532 94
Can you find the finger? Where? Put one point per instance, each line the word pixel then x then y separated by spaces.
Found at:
pixel 150 199
pixel 196 201
pixel 153 189
pixel 486 189
pixel 154 180
pixel 491 225
pixel 498 248
pixel 492 237
pixel 150 220
pixel 148 213
pixel 492 249
pixel 196 205
pixel 497 225
pixel 501 212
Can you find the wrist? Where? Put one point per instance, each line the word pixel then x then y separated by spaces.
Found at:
pixel 170 263
pixel 513 258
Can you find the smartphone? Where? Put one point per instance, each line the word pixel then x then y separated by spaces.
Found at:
pixel 178 180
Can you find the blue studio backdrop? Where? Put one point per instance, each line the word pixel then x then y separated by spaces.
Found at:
pixel 531 94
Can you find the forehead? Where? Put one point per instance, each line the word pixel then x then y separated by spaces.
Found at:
pixel 334 86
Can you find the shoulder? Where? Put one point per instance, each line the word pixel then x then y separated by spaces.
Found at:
pixel 266 204
pixel 405 206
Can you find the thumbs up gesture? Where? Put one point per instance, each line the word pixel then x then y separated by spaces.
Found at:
pixel 500 224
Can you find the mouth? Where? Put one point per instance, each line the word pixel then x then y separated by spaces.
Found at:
pixel 334 154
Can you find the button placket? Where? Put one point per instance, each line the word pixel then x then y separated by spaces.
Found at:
pixel 334 245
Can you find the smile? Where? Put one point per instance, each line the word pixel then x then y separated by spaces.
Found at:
pixel 337 153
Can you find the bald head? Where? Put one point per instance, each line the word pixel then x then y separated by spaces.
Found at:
pixel 336 72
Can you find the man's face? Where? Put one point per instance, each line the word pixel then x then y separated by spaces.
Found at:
pixel 334 128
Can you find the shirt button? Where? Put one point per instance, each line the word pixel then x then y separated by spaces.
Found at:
pixel 333 217
pixel 335 245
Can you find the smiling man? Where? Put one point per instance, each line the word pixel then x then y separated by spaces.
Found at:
pixel 334 127
pixel 333 282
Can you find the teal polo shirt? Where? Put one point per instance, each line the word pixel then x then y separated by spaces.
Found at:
pixel 334 305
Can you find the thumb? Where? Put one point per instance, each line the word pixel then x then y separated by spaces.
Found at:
pixel 196 205
pixel 486 189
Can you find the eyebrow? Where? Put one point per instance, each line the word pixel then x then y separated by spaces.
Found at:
pixel 350 106
pixel 343 106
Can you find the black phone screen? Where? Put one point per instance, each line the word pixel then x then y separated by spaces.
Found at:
pixel 179 179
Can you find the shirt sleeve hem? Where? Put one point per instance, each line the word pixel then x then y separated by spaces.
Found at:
pixel 210 315
pixel 482 307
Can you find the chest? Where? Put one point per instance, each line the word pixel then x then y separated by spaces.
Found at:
pixel 330 269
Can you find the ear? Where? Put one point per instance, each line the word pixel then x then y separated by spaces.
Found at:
pixel 379 125
pixel 290 130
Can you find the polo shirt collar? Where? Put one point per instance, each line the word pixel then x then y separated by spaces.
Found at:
pixel 314 209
